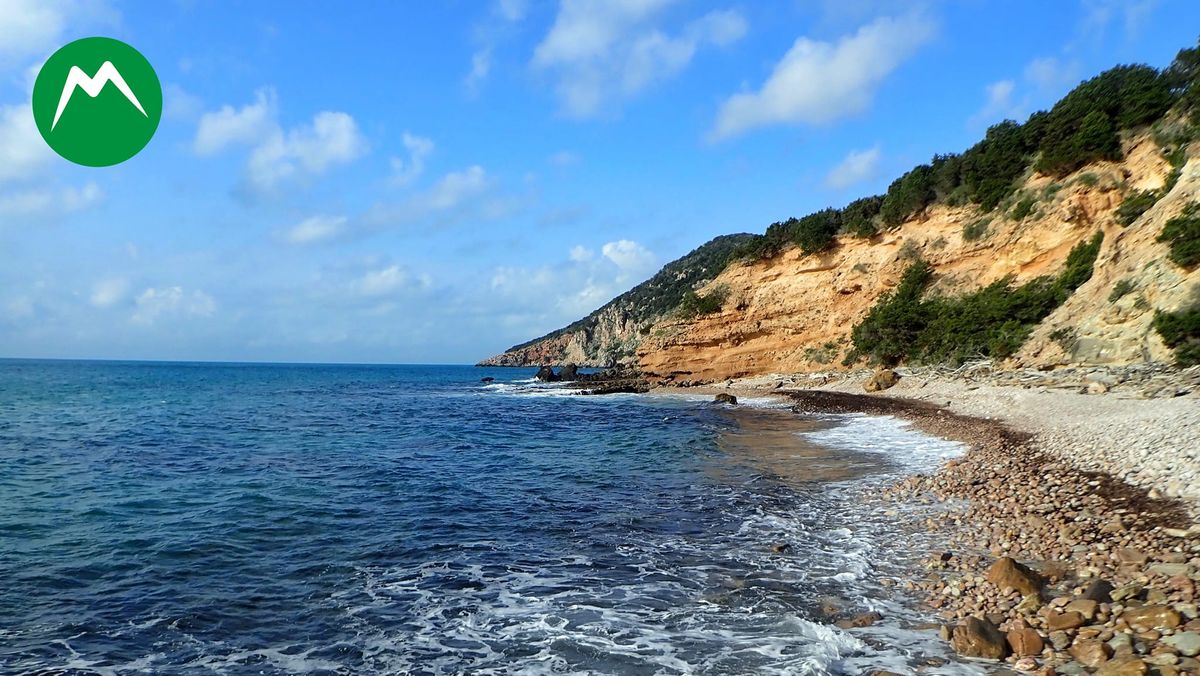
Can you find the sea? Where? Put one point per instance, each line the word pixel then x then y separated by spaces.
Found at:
pixel 276 518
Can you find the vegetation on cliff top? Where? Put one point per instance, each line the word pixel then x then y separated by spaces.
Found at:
pixel 991 322
pixel 1083 127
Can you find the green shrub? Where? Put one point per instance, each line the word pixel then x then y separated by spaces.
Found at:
pixel 1183 77
pixel 693 305
pixel 992 166
pixel 1089 179
pixel 1181 332
pixel 859 217
pixel 976 229
pixel 993 321
pixel 1135 204
pixel 1121 289
pixel 1023 208
pixel 815 232
pixel 1183 234
pixel 907 195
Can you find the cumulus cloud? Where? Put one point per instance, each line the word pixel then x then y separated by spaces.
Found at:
pixel 390 280
pixel 600 52
pixel 998 104
pixel 153 304
pixel 503 16
pixel 467 194
pixel 109 292
pixel 23 153
pixel 631 258
pixel 580 253
pixel 822 82
pixel 316 229
pixel 858 166
pixel 34 28
pixel 405 171
pixel 280 156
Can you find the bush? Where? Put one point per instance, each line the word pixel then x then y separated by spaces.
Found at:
pixel 976 230
pixel 693 305
pixel 1181 332
pixel 1120 290
pixel 1183 234
pixel 907 195
pixel 859 216
pixel 1135 204
pixel 1183 77
pixel 1023 208
pixel 815 232
pixel 992 166
pixel 992 322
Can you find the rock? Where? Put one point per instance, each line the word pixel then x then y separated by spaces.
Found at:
pixel 1090 652
pixel 1060 640
pixel 1024 640
pixel 1085 607
pixel 1096 387
pixel 725 398
pixel 1006 572
pixel 1064 621
pixel 1128 591
pixel 979 638
pixel 1130 666
pixel 1029 604
pixel 569 372
pixel 1153 617
pixel 881 380
pixel 1187 643
pixel 1025 664
pixel 858 621
pixel 1170 569
pixel 781 548
pixel 1131 555
pixel 1099 591
pixel 546 374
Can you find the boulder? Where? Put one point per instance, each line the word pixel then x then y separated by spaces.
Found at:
pixel 1153 617
pixel 974 637
pixel 1064 621
pixel 487 379
pixel 1024 640
pixel 881 380
pixel 858 621
pixel 1006 572
pixel 1090 652
pixel 1187 643
pixel 725 398
pixel 1099 591
pixel 546 375
pixel 1125 667
pixel 568 372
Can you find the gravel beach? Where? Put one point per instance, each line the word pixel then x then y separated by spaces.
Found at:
pixel 1070 531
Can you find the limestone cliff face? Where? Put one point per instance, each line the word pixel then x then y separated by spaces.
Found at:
pixel 794 313
pixel 611 334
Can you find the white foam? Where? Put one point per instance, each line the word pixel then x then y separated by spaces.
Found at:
pixel 892 437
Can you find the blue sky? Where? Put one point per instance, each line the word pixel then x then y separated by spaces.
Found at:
pixel 433 182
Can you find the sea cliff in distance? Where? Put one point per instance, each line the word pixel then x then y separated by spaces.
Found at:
pixel 1073 237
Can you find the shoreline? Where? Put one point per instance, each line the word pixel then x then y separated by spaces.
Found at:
pixel 1050 565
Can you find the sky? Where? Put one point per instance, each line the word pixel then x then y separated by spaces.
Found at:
pixel 432 182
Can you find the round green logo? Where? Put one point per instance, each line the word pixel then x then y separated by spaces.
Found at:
pixel 97 102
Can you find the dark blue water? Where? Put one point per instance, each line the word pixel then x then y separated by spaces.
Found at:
pixel 282 519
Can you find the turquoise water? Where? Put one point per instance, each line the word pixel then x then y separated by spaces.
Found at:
pixel 278 519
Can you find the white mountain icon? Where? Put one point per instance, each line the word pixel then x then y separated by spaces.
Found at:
pixel 77 79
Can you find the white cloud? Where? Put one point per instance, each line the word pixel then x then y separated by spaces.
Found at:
pixel 580 253
pixel 512 10
pixel 109 292
pixel 280 156
pixel 23 152
pixel 316 229
pixel 246 125
pixel 481 67
pixel 456 187
pixel 821 82
pixel 389 281
pixel 406 171
pixel 50 201
pixel 601 51
pixel 998 105
pixel 630 257
pixel 504 15
pixel 858 166
pixel 34 28
pixel 173 301
pixel 564 158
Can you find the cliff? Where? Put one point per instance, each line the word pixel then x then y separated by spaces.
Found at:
pixel 611 334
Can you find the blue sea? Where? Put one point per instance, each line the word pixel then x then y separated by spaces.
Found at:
pixel 248 518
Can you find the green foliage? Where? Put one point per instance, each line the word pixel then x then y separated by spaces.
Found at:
pixel 1089 179
pixel 815 232
pixel 1023 208
pixel 1066 338
pixel 1183 77
pixel 859 218
pixel 1121 289
pixel 693 305
pixel 907 195
pixel 1083 126
pixel 976 229
pixel 1183 235
pixel 993 321
pixel 992 166
pixel 1181 332
pixel 1135 204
